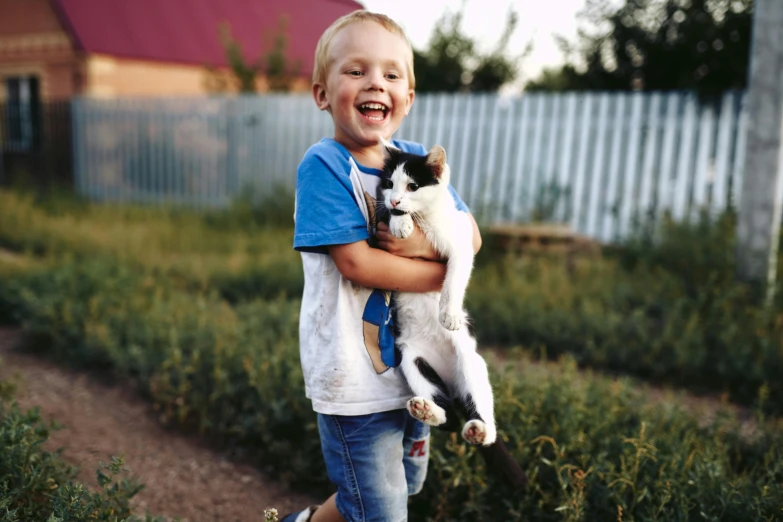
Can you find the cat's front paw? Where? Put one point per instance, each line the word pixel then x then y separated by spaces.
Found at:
pixel 479 432
pixel 426 411
pixel 452 322
pixel 401 226
pixel 451 317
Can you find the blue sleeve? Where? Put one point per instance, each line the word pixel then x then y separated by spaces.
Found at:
pixel 412 147
pixel 326 211
pixel 460 204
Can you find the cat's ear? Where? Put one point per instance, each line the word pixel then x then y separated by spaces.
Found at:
pixel 436 160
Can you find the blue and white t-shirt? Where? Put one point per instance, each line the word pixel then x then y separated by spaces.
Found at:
pixel 343 331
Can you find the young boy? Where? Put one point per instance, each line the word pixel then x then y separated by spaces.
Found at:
pixel 375 452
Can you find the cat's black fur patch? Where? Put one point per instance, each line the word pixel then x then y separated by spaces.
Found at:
pixel 431 375
pixel 415 166
pixel 442 398
pixel 470 408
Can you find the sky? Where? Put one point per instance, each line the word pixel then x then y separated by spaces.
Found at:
pixel 484 20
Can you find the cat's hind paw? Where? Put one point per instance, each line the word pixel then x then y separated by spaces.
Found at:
pixel 478 432
pixel 426 411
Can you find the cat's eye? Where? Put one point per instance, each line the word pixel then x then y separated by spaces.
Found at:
pixel 413 187
pixel 386 183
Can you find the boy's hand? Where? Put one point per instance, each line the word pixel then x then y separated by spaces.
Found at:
pixel 414 246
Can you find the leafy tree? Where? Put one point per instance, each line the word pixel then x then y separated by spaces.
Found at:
pixel 443 66
pixel 452 63
pixel 495 69
pixel 279 71
pixel 244 73
pixel 657 45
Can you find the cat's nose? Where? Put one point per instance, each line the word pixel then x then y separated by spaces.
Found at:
pixel 395 202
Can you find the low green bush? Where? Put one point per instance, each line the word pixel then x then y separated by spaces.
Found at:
pixel 260 281
pixel 596 449
pixel 254 209
pixel 640 322
pixel 669 310
pixel 37 485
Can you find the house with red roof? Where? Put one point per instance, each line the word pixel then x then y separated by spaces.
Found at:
pixel 54 49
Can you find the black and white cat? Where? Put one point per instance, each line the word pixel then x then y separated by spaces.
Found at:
pixel 439 358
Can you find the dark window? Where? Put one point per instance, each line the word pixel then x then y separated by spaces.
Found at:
pixel 22 112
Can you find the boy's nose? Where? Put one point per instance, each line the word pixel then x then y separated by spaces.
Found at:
pixel 376 81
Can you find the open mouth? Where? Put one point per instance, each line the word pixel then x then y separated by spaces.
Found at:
pixel 374 111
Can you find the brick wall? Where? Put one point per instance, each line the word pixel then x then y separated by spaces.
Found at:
pixel 32 42
pixel 107 76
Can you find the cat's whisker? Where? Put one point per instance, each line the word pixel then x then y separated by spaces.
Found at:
pixel 381 211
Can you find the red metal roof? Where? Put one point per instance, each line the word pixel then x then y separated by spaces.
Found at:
pixel 186 31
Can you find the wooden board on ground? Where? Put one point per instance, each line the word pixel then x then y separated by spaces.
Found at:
pixel 541 237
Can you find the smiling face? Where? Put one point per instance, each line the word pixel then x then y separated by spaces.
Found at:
pixel 367 88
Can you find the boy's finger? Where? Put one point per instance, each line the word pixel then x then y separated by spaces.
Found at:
pixel 384 245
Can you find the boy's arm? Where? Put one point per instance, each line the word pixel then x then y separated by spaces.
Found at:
pixel 375 268
pixel 477 241
pixel 416 245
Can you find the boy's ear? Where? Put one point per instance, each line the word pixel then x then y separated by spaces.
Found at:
pixel 411 97
pixel 319 95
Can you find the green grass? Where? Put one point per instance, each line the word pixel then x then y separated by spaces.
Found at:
pixel 201 311
pixel 669 312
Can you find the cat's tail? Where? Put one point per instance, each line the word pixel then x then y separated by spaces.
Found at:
pixel 502 464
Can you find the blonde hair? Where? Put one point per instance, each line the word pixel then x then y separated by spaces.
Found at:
pixel 322 63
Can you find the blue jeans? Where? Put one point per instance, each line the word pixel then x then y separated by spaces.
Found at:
pixel 375 461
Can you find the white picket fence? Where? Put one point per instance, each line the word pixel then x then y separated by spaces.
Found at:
pixel 598 161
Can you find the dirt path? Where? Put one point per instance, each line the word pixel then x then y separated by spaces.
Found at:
pixel 183 477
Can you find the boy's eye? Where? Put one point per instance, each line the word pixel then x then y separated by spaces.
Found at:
pixel 387 183
pixel 413 187
pixel 392 76
pixel 355 73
